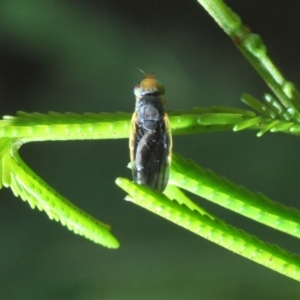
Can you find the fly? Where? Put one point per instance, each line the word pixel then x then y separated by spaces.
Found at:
pixel 150 140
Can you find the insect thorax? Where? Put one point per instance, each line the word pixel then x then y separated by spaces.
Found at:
pixel 150 108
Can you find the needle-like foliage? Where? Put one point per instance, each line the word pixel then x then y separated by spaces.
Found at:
pixel 281 114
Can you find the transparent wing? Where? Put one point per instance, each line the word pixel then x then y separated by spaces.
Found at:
pixel 151 154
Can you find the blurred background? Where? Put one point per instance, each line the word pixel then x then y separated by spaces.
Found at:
pixel 82 56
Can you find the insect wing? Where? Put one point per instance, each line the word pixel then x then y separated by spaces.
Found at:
pixel 169 141
pixel 151 154
pixel 133 143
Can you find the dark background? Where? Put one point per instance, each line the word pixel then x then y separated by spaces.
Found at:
pixel 83 56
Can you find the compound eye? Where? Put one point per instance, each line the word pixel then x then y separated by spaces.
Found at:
pixel 137 90
pixel 160 89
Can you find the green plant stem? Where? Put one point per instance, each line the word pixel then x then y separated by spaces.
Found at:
pixel 30 127
pixel 14 173
pixel 204 183
pixel 253 48
pixel 214 230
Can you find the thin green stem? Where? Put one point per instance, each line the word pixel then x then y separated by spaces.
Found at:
pixel 174 193
pixel 204 183
pixel 214 230
pixel 30 127
pixel 14 173
pixel 253 48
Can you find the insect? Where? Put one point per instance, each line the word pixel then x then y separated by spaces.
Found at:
pixel 150 140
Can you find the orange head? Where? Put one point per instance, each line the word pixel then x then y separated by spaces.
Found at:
pixel 148 85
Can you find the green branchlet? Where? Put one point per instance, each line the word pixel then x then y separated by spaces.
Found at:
pixel 281 114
